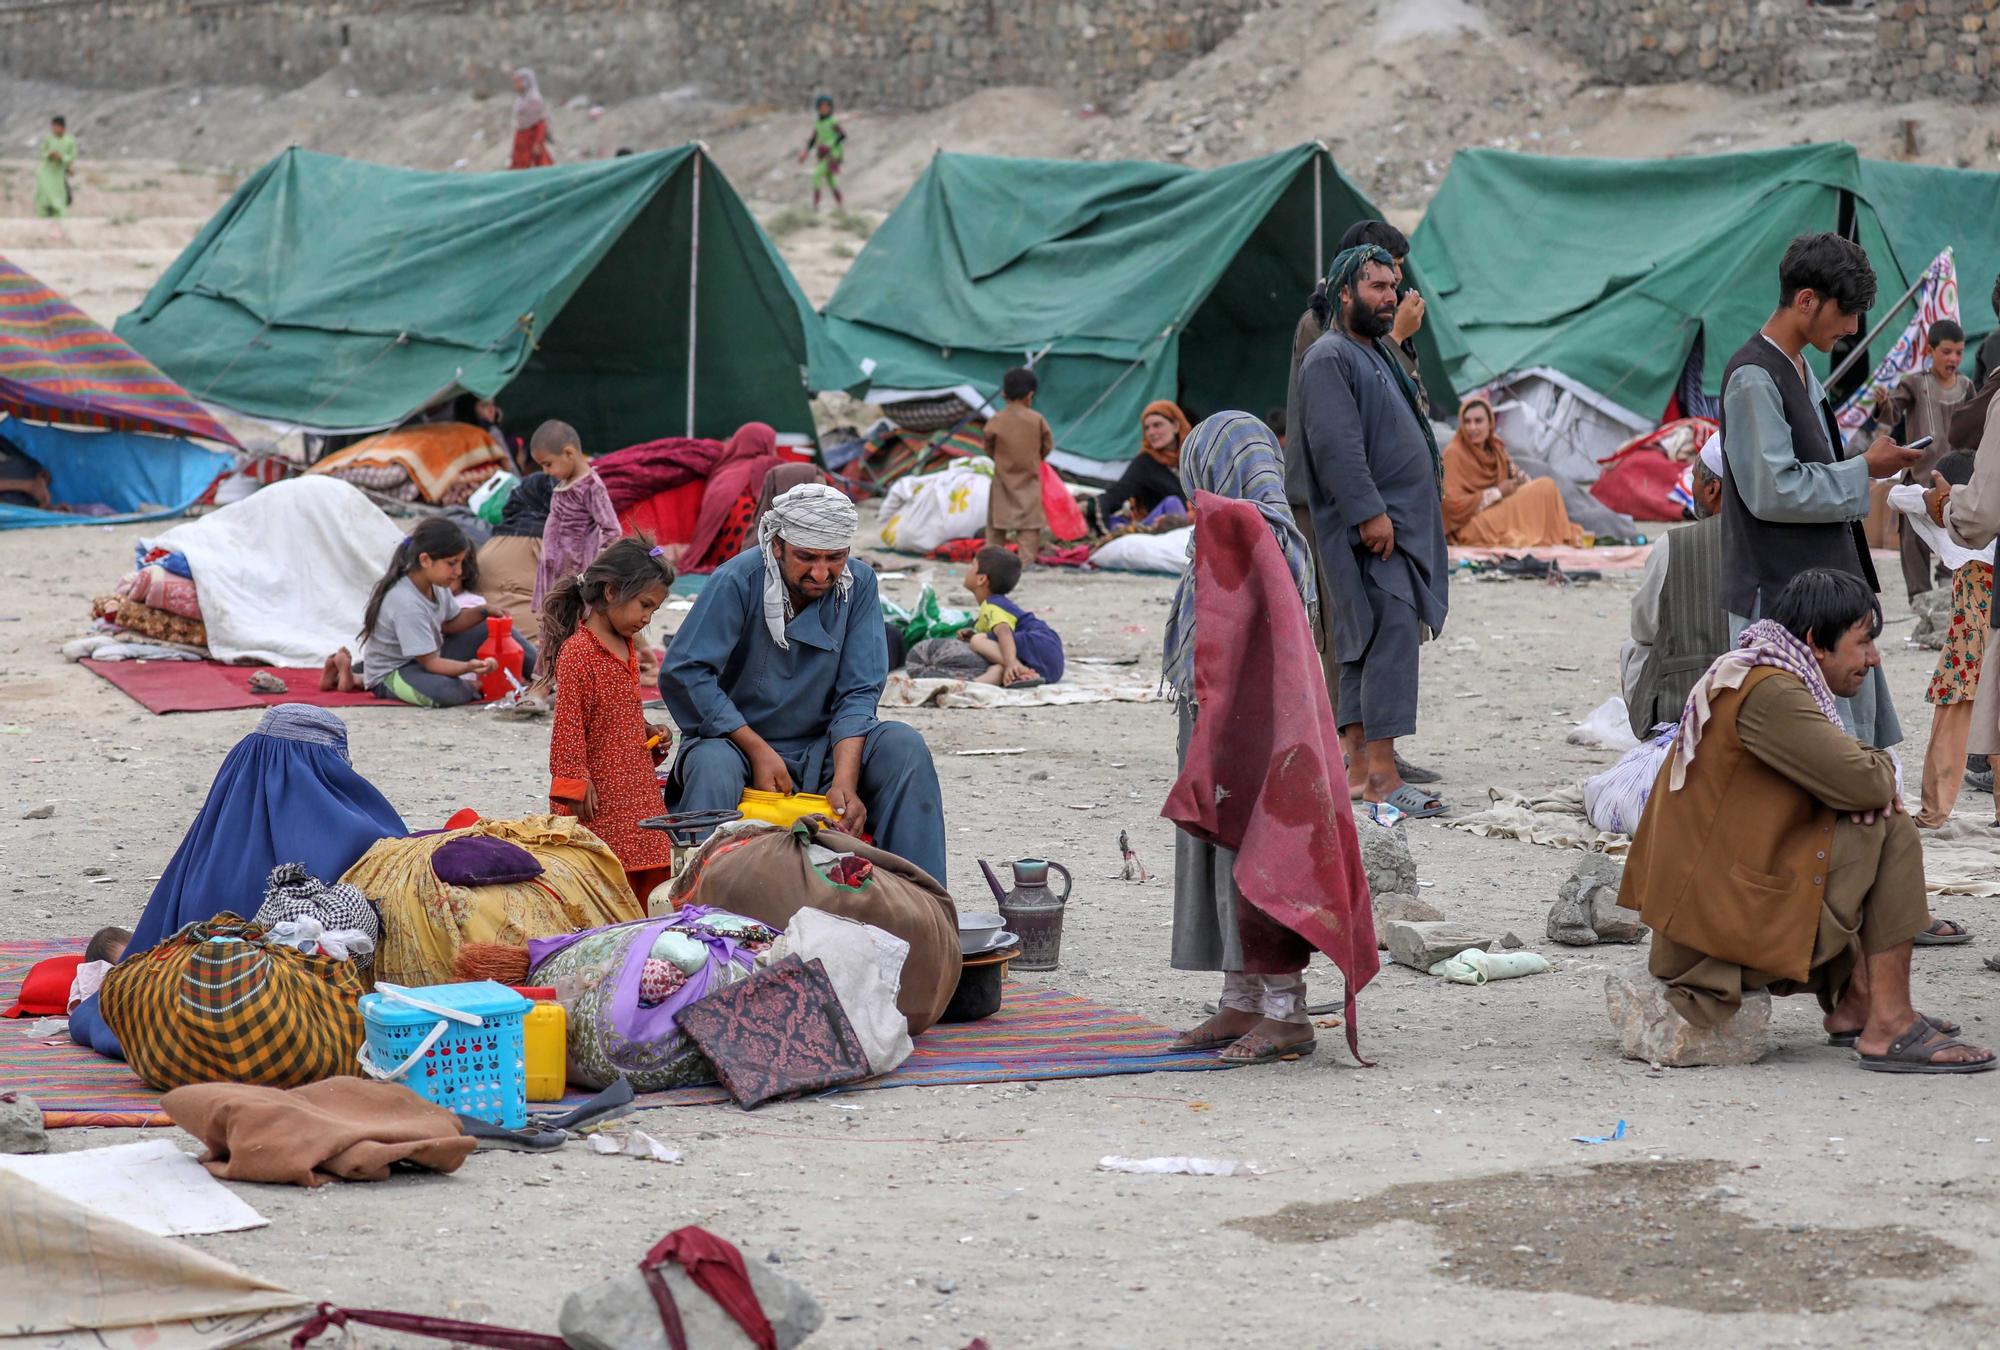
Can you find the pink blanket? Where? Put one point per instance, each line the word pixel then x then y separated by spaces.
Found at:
pixel 1263 772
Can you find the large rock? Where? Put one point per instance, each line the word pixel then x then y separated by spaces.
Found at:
pixel 620 1313
pixel 1586 910
pixel 1650 1029
pixel 21 1129
pixel 1392 908
pixel 1422 945
pixel 1385 852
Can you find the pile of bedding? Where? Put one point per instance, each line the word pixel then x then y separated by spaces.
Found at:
pixel 442 463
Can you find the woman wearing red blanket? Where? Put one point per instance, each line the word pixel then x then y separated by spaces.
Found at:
pixel 1267 867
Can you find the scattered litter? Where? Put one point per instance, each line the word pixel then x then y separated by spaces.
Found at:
pixel 1081 806
pixel 1611 1138
pixel 1473 966
pixel 1180 1166
pixel 48 1026
pixel 635 1144
pixel 1608 727
pixel 1133 870
pixel 13 729
pixel 151 1185
pixel 1009 750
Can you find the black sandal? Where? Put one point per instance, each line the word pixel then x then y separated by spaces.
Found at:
pixel 1916 1051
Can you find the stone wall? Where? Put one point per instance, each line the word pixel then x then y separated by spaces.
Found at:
pixel 878 53
pixel 1938 47
pixel 1912 49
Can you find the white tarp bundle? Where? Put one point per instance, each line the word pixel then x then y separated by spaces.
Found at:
pixel 284 574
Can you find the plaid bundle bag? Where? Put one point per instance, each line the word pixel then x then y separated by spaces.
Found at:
pixel 216 1003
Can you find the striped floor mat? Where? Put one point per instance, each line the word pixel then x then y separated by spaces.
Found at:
pixel 1037 1034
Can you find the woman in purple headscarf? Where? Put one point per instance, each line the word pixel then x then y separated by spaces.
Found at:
pixel 531 123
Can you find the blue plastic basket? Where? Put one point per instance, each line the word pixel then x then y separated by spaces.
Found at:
pixel 475 1068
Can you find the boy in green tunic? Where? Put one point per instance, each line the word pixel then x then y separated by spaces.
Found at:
pixel 52 171
pixel 831 142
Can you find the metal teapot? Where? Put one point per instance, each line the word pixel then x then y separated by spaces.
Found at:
pixel 1033 912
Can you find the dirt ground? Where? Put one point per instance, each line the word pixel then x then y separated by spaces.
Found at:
pixel 1438 1199
pixel 925 1216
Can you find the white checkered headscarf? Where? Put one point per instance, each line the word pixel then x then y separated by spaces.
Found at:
pixel 811 515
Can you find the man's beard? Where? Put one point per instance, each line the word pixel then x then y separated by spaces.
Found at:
pixel 1365 322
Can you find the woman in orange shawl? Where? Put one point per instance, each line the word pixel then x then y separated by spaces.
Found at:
pixel 1488 503
pixel 1154 473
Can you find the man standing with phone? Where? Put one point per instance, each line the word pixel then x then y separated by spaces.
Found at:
pixel 1790 502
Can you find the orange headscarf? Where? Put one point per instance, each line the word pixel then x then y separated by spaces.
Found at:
pixel 1167 408
pixel 1468 472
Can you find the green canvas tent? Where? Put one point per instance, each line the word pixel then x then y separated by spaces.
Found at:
pixel 335 295
pixel 1120 282
pixel 1609 271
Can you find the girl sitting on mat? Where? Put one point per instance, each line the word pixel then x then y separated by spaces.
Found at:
pixel 603 754
pixel 417 645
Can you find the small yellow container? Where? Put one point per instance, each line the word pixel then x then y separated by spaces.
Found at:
pixel 784 811
pixel 545 1033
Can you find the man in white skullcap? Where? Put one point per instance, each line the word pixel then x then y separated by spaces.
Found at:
pixel 1679 625
pixel 774 679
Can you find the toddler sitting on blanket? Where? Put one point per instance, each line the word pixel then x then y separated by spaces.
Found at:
pixel 1020 650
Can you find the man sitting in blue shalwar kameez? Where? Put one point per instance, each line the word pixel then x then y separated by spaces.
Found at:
pixel 775 677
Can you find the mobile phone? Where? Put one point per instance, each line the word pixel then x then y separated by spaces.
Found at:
pixel 1921 443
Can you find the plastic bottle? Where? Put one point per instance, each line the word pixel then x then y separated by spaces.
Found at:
pixel 545 1032
pixel 500 646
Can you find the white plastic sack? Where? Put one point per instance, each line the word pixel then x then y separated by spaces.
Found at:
pixel 1609 727
pixel 919 514
pixel 865 965
pixel 1163 553
pixel 1616 798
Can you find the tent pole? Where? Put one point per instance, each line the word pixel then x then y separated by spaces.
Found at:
pixel 1319 227
pixel 1862 346
pixel 694 290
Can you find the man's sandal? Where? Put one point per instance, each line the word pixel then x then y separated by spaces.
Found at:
pixel 1916 1051
pixel 1846 1039
pixel 1958 933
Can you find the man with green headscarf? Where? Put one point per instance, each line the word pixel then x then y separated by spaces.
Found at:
pixel 1368 469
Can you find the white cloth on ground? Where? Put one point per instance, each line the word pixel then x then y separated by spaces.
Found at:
pixel 285 573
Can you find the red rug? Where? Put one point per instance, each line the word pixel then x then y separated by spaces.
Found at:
pixel 210 686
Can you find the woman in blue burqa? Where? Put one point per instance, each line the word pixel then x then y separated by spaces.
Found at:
pixel 287 793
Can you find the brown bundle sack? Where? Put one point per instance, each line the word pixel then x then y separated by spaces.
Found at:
pixel 766 875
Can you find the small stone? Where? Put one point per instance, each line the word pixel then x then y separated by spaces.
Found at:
pixel 1724 1193
pixel 42 812
pixel 1422 945
pixel 1650 1028
pixel 1391 907
pixel 93 871
pixel 21 1129
pixel 1385 855
pixel 774 1258
pixel 1511 940
pixel 946 1286
pixel 1586 911
pixel 620 1314
pixel 264 682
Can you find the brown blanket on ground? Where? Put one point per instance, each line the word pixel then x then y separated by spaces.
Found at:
pixel 350 1128
pixel 766 876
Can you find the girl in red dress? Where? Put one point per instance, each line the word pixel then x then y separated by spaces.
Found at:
pixel 602 752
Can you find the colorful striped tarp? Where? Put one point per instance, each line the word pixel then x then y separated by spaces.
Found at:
pixel 1038 1034
pixel 56 365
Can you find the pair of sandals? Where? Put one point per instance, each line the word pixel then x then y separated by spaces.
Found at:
pixel 1258 1048
pixel 1406 801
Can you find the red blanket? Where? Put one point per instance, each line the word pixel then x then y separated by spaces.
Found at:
pixel 1263 773
pixel 638 471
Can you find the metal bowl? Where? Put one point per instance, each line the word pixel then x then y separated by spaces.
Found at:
pixel 975 931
